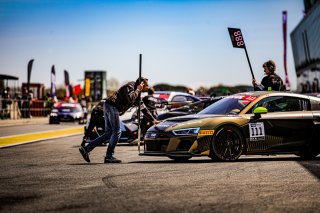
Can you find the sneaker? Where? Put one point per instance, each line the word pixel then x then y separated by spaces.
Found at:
pixel 112 160
pixel 84 154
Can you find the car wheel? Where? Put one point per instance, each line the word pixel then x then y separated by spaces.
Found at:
pixel 227 145
pixel 307 154
pixel 53 121
pixel 180 159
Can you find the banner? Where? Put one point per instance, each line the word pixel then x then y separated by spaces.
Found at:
pixel 77 89
pixel 53 82
pixel 29 73
pixel 87 87
pixel 67 83
pixel 284 30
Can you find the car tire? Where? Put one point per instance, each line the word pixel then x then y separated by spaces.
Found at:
pixel 227 145
pixel 180 159
pixel 53 121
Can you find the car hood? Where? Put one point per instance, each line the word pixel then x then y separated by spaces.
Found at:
pixel 187 121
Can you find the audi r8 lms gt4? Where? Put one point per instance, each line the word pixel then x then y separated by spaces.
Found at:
pixel 245 123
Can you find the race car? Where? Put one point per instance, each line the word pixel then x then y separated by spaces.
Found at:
pixel 129 130
pixel 245 123
pixel 175 99
pixel 188 109
pixel 68 112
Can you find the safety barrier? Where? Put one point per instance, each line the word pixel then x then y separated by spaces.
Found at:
pixel 21 108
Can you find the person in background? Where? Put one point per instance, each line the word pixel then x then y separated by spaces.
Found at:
pixel 114 106
pixel 6 103
pixel 190 91
pixel 150 102
pixel 271 82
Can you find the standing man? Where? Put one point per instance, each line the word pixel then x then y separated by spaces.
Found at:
pixel 114 106
pixel 271 82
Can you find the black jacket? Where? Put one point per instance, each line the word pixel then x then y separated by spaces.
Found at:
pixel 270 82
pixel 128 96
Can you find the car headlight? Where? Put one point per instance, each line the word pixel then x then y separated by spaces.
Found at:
pixel 76 115
pixel 187 131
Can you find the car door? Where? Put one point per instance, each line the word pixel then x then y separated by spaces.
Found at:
pixel 315 138
pixel 286 127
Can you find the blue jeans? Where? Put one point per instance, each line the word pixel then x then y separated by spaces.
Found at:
pixel 112 130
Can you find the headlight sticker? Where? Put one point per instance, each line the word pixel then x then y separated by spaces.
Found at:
pixel 256 131
pixel 205 132
pixel 186 131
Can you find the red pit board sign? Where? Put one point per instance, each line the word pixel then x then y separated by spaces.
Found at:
pixel 236 37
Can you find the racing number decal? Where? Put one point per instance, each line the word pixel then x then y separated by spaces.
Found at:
pixel 256 131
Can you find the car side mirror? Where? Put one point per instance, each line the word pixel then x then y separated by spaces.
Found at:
pixel 258 111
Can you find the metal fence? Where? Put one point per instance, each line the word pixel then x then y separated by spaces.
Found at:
pixel 24 108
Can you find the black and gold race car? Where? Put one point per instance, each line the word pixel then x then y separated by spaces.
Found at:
pixel 244 123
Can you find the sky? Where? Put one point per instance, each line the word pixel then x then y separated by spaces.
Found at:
pixel 181 42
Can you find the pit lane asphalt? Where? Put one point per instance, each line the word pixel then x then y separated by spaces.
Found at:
pixel 51 176
pixel 21 131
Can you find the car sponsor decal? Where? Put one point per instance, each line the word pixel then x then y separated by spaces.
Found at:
pixel 256 131
pixel 205 132
pixel 153 135
pixel 163 125
pixel 249 98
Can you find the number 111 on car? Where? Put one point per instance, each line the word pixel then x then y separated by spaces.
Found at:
pixel 256 131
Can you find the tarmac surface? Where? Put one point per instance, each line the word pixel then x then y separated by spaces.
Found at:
pixel 21 131
pixel 24 121
pixel 51 176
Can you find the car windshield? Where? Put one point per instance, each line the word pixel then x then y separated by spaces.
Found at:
pixel 228 105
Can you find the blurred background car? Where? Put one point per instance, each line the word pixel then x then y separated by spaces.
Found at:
pixel 72 112
pixel 129 130
pixel 168 100
pixel 188 109
pixel 175 99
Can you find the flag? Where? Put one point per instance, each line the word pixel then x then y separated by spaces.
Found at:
pixel 29 72
pixel 77 89
pixel 284 30
pixel 67 83
pixel 236 37
pixel 53 82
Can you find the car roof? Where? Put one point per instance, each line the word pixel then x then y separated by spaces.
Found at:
pixel 170 94
pixel 274 93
